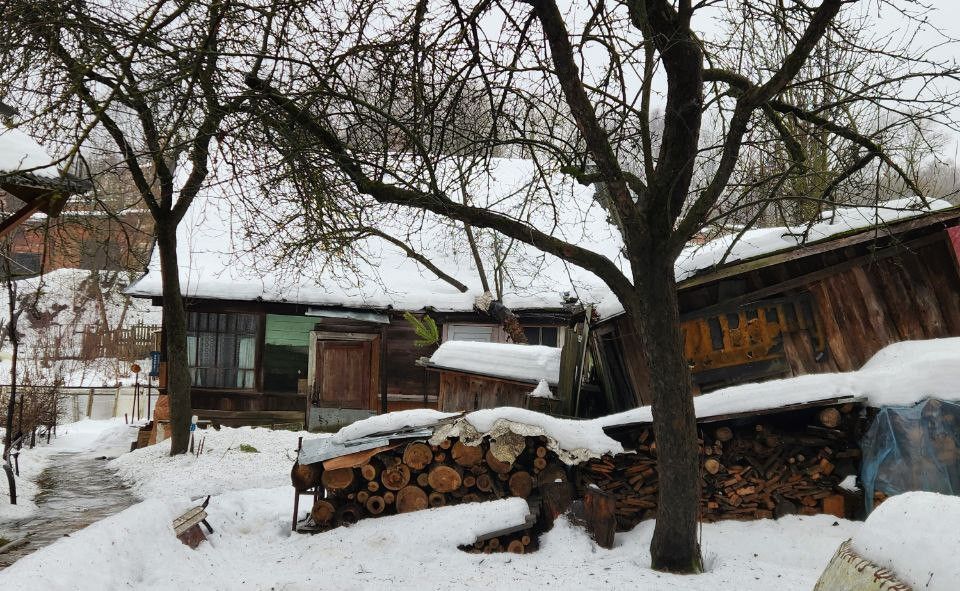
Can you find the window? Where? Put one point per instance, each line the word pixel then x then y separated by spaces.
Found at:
pixel 221 349
pixel 471 332
pixel 542 335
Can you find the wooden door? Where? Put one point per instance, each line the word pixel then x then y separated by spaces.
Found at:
pixel 344 373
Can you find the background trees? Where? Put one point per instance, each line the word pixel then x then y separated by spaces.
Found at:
pixel 150 82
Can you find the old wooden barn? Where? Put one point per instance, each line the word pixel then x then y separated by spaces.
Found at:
pixel 826 305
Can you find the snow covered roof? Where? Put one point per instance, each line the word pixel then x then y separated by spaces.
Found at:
pixel 730 249
pixel 25 162
pixel 20 152
pixel 219 261
pixel 525 363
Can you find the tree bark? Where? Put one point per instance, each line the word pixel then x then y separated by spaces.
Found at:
pixel 175 329
pixel 654 314
pixel 12 401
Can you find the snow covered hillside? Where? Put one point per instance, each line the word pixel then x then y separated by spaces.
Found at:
pixel 58 308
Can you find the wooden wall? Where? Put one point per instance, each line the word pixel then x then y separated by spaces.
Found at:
pixel 845 304
pixel 468 392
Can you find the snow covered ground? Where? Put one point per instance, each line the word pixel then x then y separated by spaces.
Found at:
pixel 253 547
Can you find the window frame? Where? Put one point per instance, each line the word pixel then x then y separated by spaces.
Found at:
pixel 256 334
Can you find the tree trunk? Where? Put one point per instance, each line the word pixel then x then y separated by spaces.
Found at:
pixel 674 546
pixel 12 400
pixel 175 330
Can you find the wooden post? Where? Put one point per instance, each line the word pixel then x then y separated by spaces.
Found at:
pixel 90 404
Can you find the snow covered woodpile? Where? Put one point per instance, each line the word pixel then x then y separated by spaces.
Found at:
pixel 753 467
pixel 414 475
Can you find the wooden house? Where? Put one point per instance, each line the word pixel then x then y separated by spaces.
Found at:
pixel 329 343
pixel 826 305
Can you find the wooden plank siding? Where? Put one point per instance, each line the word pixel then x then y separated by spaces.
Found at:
pixel 862 297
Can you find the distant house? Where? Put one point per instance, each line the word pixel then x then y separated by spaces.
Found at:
pixel 765 306
pixel 30 182
pixel 328 340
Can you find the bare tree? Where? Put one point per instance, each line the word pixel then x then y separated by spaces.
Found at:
pixel 575 93
pixel 148 81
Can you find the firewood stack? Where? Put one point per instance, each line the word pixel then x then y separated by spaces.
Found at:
pixel 417 475
pixel 751 469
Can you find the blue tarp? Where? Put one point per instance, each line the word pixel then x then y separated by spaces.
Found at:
pixel 912 448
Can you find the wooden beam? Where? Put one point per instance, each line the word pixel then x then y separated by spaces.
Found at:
pixel 8 225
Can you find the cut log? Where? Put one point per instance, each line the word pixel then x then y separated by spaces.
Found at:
pixel 516 547
pixel 723 434
pixel 539 463
pixel 437 499
pixel 348 513
pixel 541 452
pixel 466 455
pixel 557 497
pixel 396 477
pixel 373 486
pixel 411 498
pixel 423 479
pixel 484 483
pixel 323 512
pixel 371 470
pixel 469 481
pixel 375 505
pixel 599 513
pixel 829 417
pixel 362 497
pixel 552 473
pixel 339 479
pixel 444 479
pixel 521 484
pixel 712 466
pixel 306 476
pixel 496 465
pixel 417 455
pixel 388 497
